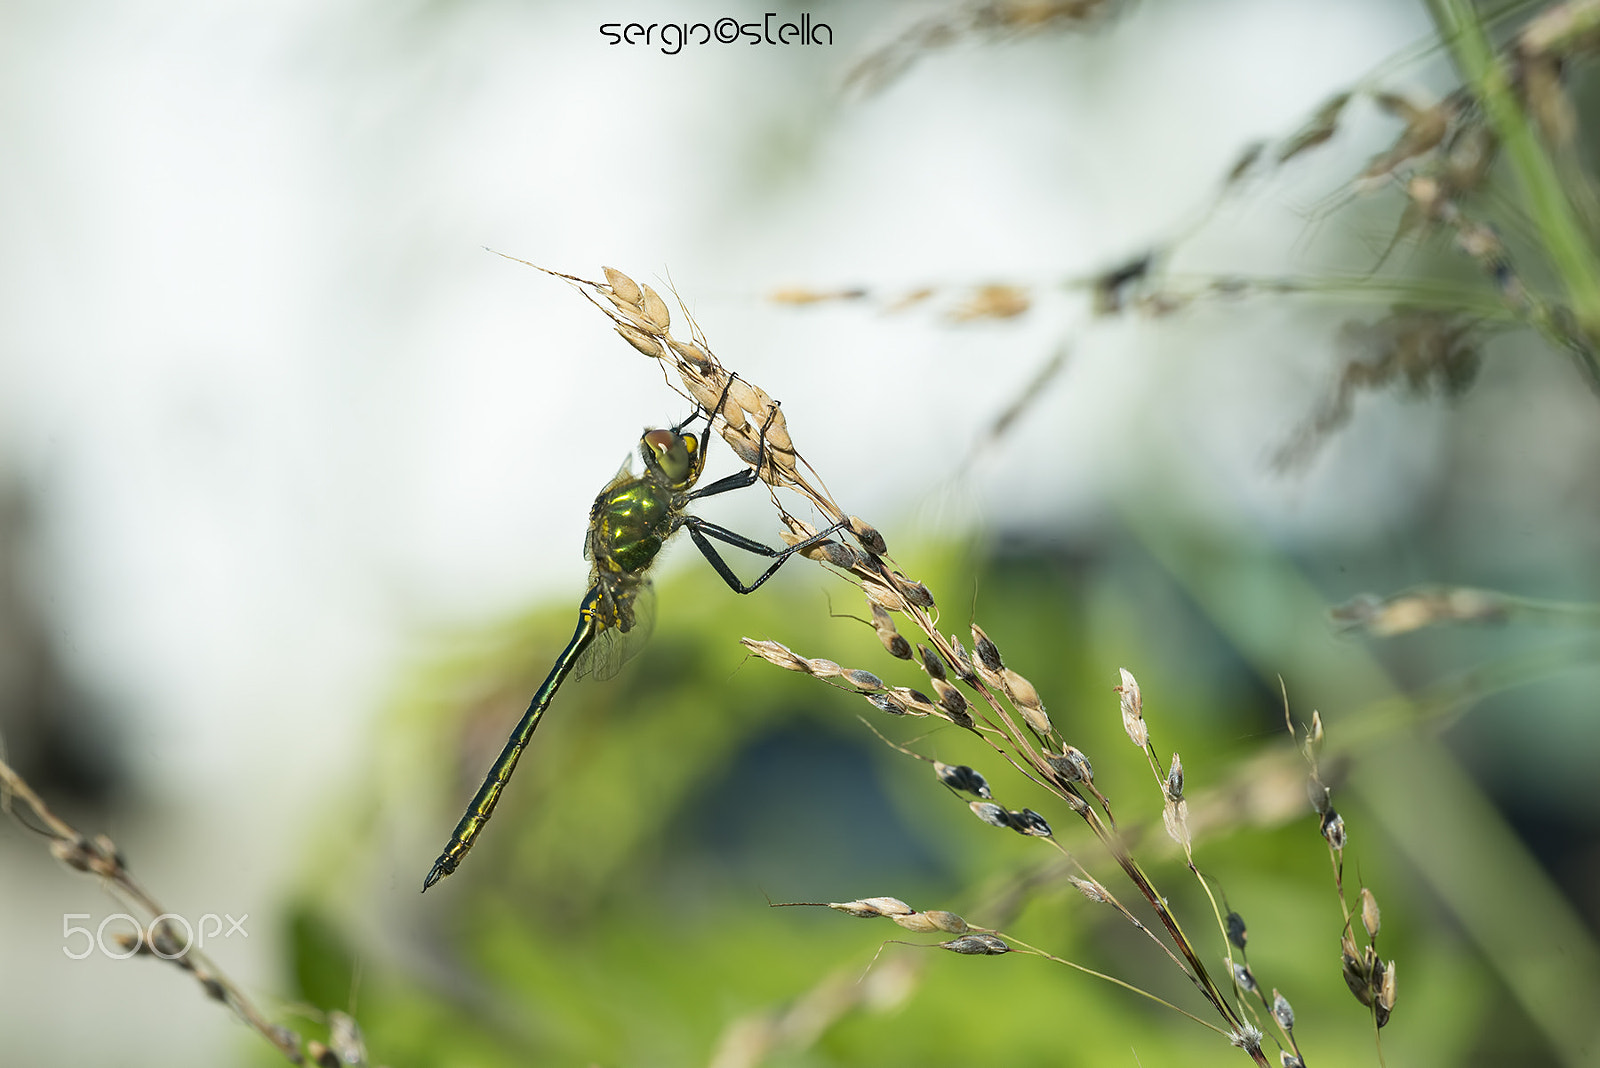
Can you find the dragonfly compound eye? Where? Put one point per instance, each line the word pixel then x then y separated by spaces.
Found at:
pixel 671 452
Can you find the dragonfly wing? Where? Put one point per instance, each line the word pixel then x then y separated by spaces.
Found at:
pixel 615 646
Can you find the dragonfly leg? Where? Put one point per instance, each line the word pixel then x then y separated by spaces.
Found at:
pixel 750 475
pixel 710 413
pixel 702 532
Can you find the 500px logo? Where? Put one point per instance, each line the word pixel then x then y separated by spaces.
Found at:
pixel 162 937
pixel 672 36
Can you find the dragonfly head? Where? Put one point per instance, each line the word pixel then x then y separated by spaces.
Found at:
pixel 676 456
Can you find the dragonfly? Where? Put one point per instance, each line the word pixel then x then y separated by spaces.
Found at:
pixel 631 520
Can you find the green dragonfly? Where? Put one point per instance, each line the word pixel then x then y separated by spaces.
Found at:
pixel 630 521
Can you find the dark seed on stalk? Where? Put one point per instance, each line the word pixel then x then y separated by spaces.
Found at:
pixel 869 538
pixel 986 945
pixel 1174 785
pixel 1072 765
pixel 963 660
pixel 1282 1011
pixel 1333 828
pixel 1030 822
pixel 988 653
pixel 1236 930
pixel 950 698
pixel 960 777
pixel 990 813
pixel 864 680
pixel 914 592
pixel 887 702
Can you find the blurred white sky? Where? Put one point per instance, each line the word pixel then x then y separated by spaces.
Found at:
pixel 282 414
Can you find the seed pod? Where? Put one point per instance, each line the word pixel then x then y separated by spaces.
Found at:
pixel 823 669
pixel 915 921
pixel 914 592
pixel 1317 794
pixel 873 906
pixel 1244 977
pixel 752 398
pixel 1175 817
pixel 708 394
pixel 990 813
pixel 1020 690
pixel 1133 710
pixel 869 538
pixel 931 663
pixel 988 654
pixel 1282 1011
pixel 896 643
pixel 1289 1060
pixel 1355 973
pixel 743 443
pixel 654 309
pixel 1314 737
pixel 950 698
pixel 960 719
pixel 1071 765
pixel 933 920
pixel 1333 828
pixel 960 777
pixel 948 922
pixel 1371 918
pixel 777 432
pixel 695 357
pixel 1090 889
pixel 1174 785
pixel 986 945
pixel 775 653
pixel 881 595
pixel 641 341
pixel 890 703
pixel 622 285
pixel 74 853
pixel 920 703
pixel 1237 934
pixel 863 680
pixel 1030 822
pixel 841 556
pixel 1384 1003
pixel 963 663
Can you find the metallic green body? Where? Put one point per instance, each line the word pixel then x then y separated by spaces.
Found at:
pixel 630 520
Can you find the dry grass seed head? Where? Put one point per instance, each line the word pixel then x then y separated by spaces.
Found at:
pixel 1132 702
pixel 1371 918
pixel 1175 818
pixel 1090 889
